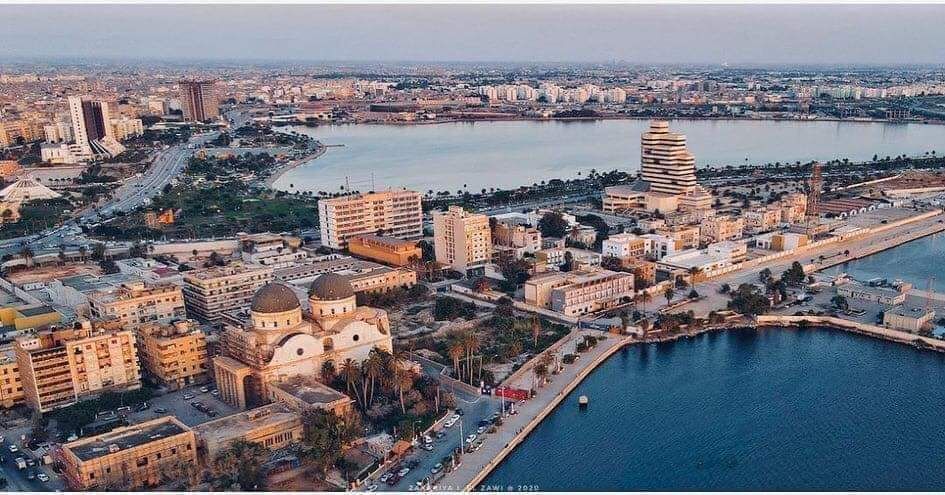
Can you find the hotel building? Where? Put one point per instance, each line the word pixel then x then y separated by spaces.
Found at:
pixel 60 366
pixel 462 240
pixel 174 355
pixel 209 292
pixel 135 303
pixel 392 213
pixel 144 455
pixel 665 162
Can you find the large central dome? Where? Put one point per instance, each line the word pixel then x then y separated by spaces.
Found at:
pixel 330 287
pixel 274 298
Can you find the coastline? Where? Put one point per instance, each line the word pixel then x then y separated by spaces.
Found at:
pixel 279 172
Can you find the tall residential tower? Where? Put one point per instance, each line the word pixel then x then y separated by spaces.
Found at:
pixel 665 162
pixel 199 100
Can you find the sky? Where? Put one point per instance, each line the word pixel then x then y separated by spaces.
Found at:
pixel 670 34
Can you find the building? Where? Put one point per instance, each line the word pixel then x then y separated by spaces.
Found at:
pixel 579 292
pixel 364 276
pixel 209 292
pixel 881 295
pixel 762 220
pixel 11 386
pixel 392 213
pixel 124 128
pixel 144 455
pixel 619 199
pixel 696 199
pixel 793 208
pixel 28 317
pixel 273 426
pixel 271 250
pixel 781 241
pixel 520 239
pixel 135 303
pixel 280 341
pixel 665 162
pixel 722 228
pixel 20 131
pixel 61 366
pixel 199 100
pixel 462 240
pixel 624 246
pixel 174 355
pixel 388 250
pixel 908 319
pixel 23 190
pixel 303 393
pixel 92 131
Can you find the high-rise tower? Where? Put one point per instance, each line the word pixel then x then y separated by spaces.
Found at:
pixel 199 100
pixel 665 162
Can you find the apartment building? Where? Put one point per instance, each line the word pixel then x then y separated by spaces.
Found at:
pixel 199 100
pixel 624 246
pixel 720 229
pixel 660 246
pixel 686 236
pixel 462 240
pixel 137 457
pixel 383 249
pixel 793 208
pixel 392 213
pixel 516 238
pixel 11 386
pixel 618 199
pixel 209 292
pixel 665 162
pixel 61 366
pixel 174 355
pixel 579 293
pixel 762 220
pixel 135 303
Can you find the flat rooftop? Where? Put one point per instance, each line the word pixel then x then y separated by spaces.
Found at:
pixel 242 423
pixel 125 438
pixel 310 392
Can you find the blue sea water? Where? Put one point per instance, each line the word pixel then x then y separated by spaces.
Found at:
pixel 776 409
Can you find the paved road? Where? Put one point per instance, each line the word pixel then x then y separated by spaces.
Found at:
pixel 16 478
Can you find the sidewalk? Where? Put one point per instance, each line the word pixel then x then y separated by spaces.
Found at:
pixel 476 465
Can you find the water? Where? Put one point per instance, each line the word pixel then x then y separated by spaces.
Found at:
pixel 509 154
pixel 913 262
pixel 772 410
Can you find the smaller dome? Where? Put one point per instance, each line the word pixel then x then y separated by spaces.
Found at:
pixel 330 287
pixel 274 298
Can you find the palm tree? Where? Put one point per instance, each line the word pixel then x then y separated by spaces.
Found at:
pixel 456 352
pixel 470 346
pixel 27 254
pixel 351 374
pixel 328 372
pixel 645 297
pixel 540 371
pixel 404 380
pixel 668 294
pixel 536 330
pixel 373 367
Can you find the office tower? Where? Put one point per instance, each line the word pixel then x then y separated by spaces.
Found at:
pixel 665 162
pixel 91 127
pixel 199 100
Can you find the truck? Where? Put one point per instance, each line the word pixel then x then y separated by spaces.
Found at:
pixel 511 393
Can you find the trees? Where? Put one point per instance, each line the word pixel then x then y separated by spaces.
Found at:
pixel 325 435
pixel 764 275
pixel 840 302
pixel 553 224
pixel 668 294
pixel 328 373
pixel 795 275
pixel 240 467
pixel 748 300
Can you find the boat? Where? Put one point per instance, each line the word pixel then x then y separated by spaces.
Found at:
pixel 582 401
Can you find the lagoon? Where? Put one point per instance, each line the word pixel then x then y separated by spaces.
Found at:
pixel 509 154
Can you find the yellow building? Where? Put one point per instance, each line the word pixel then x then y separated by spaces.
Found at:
pixel 11 387
pixel 280 341
pixel 29 316
pixel 61 366
pixel 174 355
pixel 273 426
pixel 723 228
pixel 578 293
pixel 136 457
pixel 394 213
pixel 389 250
pixel 462 240
pixel 665 161
pixel 136 303
pixel 209 292
pixel 381 279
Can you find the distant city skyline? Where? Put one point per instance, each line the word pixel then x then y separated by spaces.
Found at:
pixel 670 34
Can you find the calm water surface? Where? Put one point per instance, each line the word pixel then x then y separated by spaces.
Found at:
pixel 772 410
pixel 914 262
pixel 510 154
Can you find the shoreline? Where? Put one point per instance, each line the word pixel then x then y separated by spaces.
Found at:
pixel 280 171
pixel 763 322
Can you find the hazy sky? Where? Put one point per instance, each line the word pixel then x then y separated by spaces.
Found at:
pixel 854 34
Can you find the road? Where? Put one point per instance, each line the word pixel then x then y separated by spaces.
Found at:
pixel 475 408
pixel 17 480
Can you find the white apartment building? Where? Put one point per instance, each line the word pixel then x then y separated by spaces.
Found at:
pixel 391 213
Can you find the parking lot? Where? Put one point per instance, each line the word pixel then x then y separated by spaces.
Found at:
pixel 178 404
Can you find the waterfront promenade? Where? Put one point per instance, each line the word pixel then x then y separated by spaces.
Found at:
pixel 496 446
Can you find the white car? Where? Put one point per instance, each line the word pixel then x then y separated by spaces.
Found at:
pixel 454 418
pixel 372 488
pixel 437 468
pixel 43 477
pixel 449 423
pixel 14 448
pixel 403 472
pixel 471 438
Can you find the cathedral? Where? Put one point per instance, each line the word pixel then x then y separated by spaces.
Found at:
pixel 281 341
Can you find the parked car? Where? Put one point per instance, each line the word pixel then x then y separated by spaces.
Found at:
pixel 428 447
pixel 160 410
pixel 437 468
pixel 43 477
pixel 372 488
pixel 384 477
pixel 14 449
pixel 188 396
pixel 480 430
pixel 144 406
pixel 204 389
pixel 403 472
pixel 471 438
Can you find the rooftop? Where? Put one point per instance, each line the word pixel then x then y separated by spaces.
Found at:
pixel 125 438
pixel 239 424
pixel 309 391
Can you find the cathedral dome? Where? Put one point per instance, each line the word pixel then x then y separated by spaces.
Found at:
pixel 274 298
pixel 330 287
